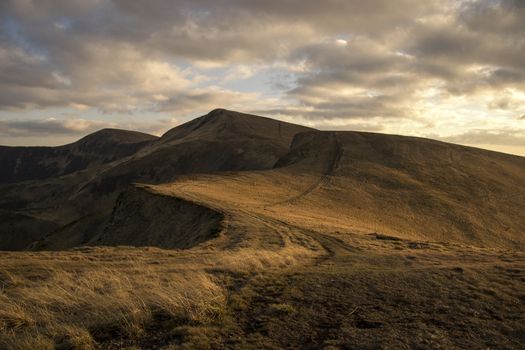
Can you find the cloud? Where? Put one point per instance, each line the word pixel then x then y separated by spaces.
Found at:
pixel 491 137
pixel 419 63
pixel 117 55
pixel 341 42
pixel 202 100
pixel 51 126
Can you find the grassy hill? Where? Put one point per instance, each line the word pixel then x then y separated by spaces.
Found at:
pixel 401 186
pixel 237 231
pixel 78 206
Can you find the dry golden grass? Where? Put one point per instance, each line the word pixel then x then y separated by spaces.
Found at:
pixel 424 202
pixel 83 298
pixel 254 260
pixel 71 299
pixel 68 299
pixel 72 295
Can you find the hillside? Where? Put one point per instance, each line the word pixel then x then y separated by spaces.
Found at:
pixel 103 146
pixel 142 219
pixel 349 181
pixel 402 186
pixel 405 187
pixel 79 205
pixel 241 232
pixel 219 141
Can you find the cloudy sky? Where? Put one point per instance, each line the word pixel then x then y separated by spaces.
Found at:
pixel 450 70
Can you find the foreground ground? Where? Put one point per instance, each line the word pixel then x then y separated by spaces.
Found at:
pixel 273 278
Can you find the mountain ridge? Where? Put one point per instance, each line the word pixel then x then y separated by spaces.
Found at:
pixel 22 163
pixel 373 181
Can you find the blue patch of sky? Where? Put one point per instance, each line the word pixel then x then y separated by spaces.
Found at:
pixel 14 32
pixel 63 23
pixel 267 81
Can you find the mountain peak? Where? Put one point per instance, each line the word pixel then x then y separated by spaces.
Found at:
pixel 223 123
pixel 219 111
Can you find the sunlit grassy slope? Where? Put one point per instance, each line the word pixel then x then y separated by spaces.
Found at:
pixel 359 182
pixel 269 279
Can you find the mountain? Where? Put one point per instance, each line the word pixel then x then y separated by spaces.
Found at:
pixel 404 187
pixel 222 140
pixel 79 205
pixel 401 187
pixel 238 231
pixel 103 146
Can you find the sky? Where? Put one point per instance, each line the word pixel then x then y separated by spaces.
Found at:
pixel 447 70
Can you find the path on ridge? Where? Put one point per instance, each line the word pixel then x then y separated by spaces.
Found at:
pixel 331 167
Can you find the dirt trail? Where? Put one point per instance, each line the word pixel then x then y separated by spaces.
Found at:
pixel 332 245
pixel 331 168
pixel 241 220
pixel 360 291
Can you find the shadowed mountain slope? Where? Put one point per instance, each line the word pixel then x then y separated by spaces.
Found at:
pixel 219 141
pixel 141 218
pixel 103 146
